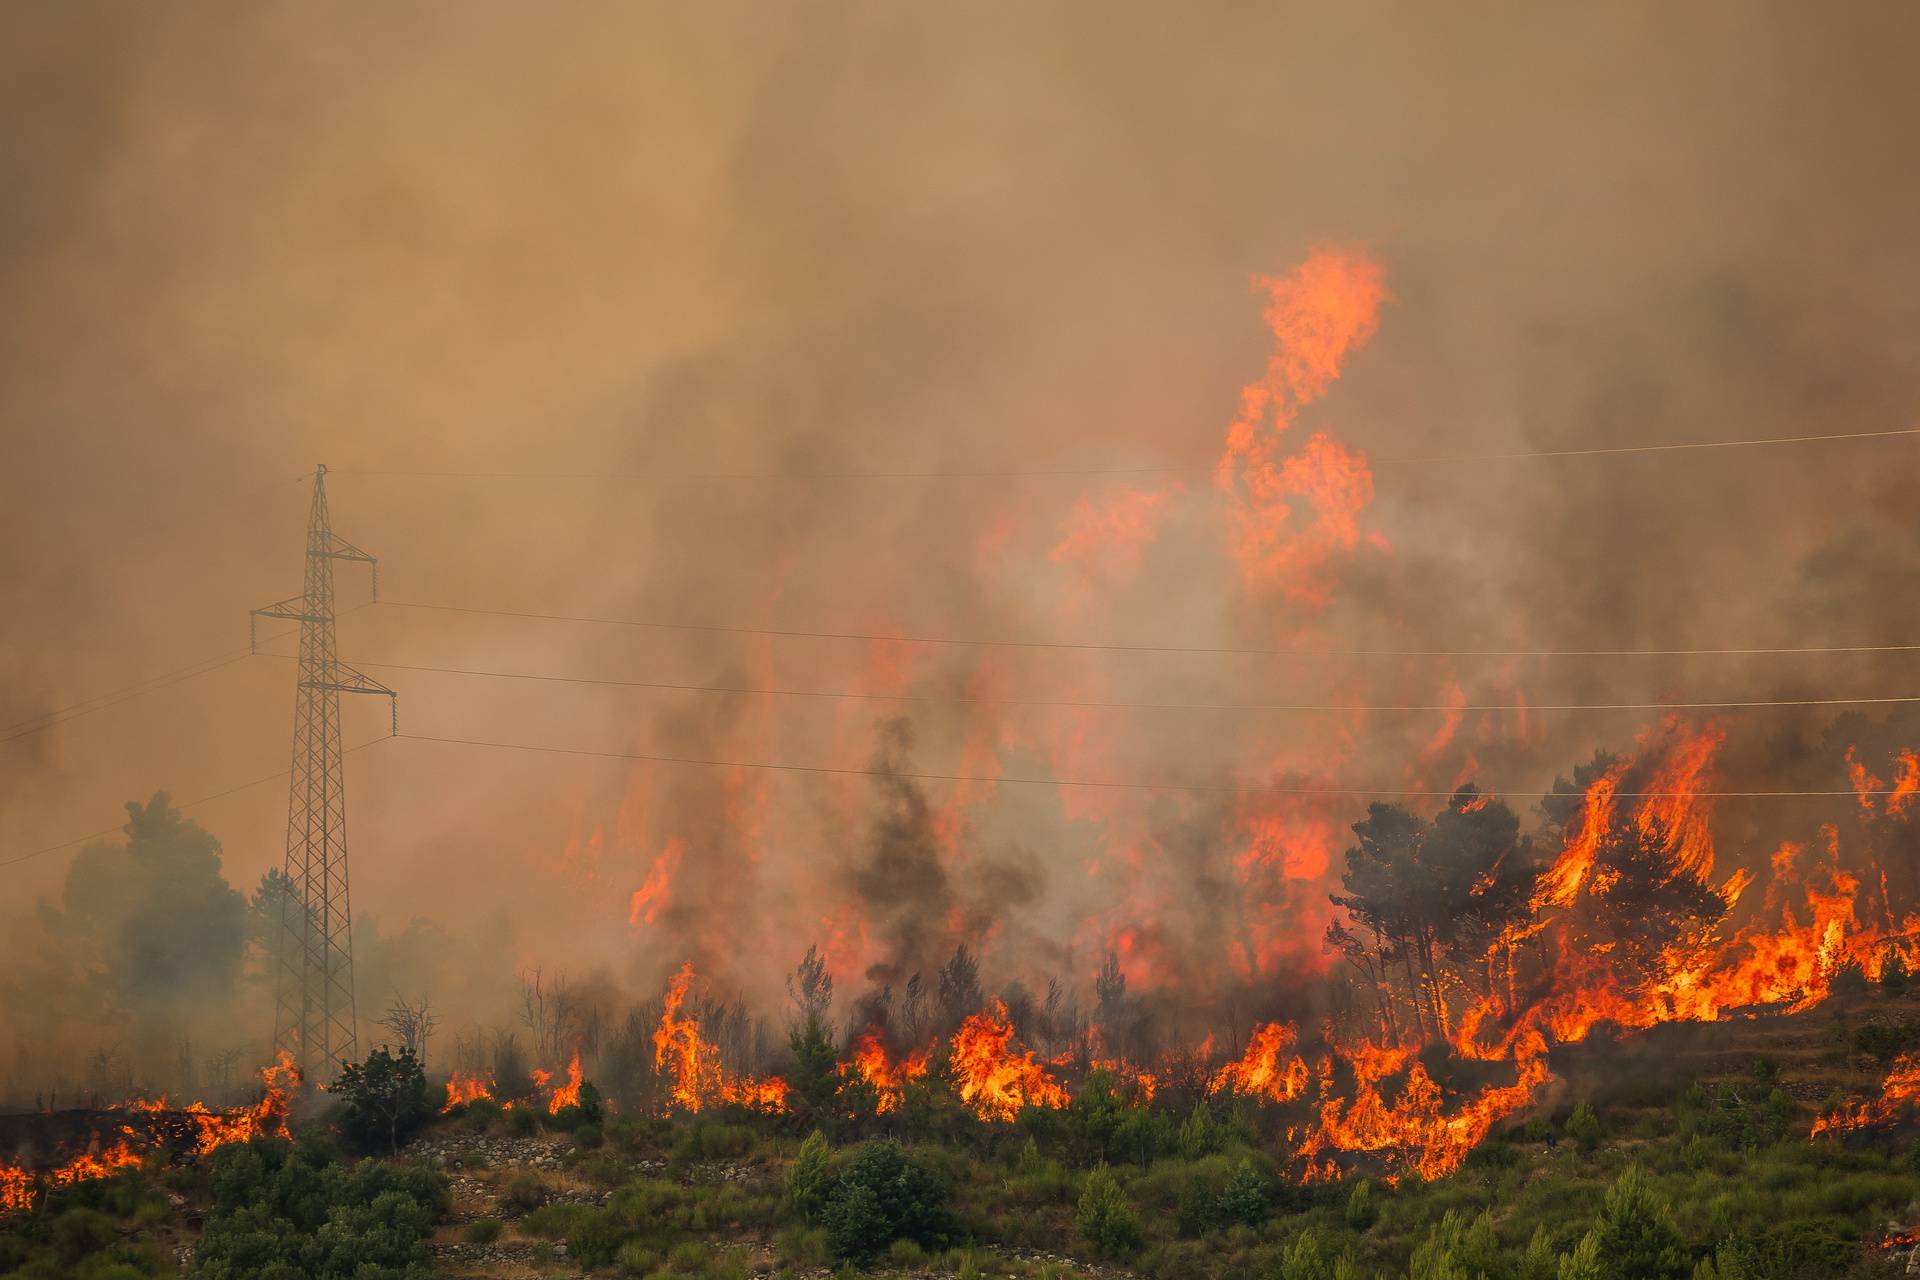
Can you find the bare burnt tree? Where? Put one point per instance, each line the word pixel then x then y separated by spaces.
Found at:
pixel 550 1013
pixel 810 988
pixel 914 1011
pixel 512 1078
pixel 220 1068
pixel 960 993
pixel 1047 1028
pixel 1020 1008
pixel 184 1065
pixel 411 1024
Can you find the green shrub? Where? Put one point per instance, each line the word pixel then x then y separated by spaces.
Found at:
pixel 1199 1134
pixel 594 1237
pixel 523 1121
pixel 1457 1247
pixel 281 1211
pixel 588 1136
pixel 1583 1263
pixel 77 1232
pixel 1144 1136
pixel 382 1101
pixel 803 1246
pixel 484 1230
pixel 637 1258
pixel 1884 1042
pixel 1303 1260
pixel 1635 1235
pixel 1583 1127
pixel 1096 1113
pixel 1538 1261
pixel 707 1140
pixel 1361 1211
pixel 525 1192
pixel 1246 1199
pixel 808 1179
pixel 1103 1216
pixel 880 1196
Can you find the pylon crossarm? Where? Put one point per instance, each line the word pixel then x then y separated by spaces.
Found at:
pixel 344 550
pixel 293 610
pixel 341 549
pixel 347 680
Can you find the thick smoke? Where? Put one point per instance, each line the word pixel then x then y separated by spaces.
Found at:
pixel 639 243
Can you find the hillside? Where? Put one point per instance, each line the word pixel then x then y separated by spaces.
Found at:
pixel 1716 1115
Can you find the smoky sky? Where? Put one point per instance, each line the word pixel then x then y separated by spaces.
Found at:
pixel 589 251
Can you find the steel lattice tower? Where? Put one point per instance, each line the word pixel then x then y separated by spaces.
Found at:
pixel 314 1014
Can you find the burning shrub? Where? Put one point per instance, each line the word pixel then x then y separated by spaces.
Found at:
pixel 585 1113
pixel 1104 1217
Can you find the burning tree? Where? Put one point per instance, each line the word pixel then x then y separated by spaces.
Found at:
pixel 1431 896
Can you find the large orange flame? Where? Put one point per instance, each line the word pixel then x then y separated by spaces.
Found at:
pixel 993 1080
pixel 464 1088
pixel 691 1065
pixel 868 1061
pixel 568 1094
pixel 1268 1069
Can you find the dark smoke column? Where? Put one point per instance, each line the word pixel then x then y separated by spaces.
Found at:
pixel 313 1017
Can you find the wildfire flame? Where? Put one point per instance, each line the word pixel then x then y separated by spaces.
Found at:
pixel 868 1061
pixel 692 1064
pixel 568 1094
pixel 1898 1091
pixel 464 1088
pixel 1267 1069
pixel 210 1130
pixel 991 1079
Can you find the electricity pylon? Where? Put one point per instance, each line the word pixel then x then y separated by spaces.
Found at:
pixel 313 1012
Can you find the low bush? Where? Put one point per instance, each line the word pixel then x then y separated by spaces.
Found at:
pixel 1104 1217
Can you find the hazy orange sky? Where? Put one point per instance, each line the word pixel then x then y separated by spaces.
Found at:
pixel 629 242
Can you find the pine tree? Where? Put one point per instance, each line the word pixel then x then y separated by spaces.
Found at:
pixel 1635 1235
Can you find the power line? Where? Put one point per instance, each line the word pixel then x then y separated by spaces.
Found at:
pixel 1099 784
pixel 1095 646
pixel 100 702
pixel 1672 447
pixel 1105 704
pixel 189 804
pixel 1097 472
pixel 114 697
